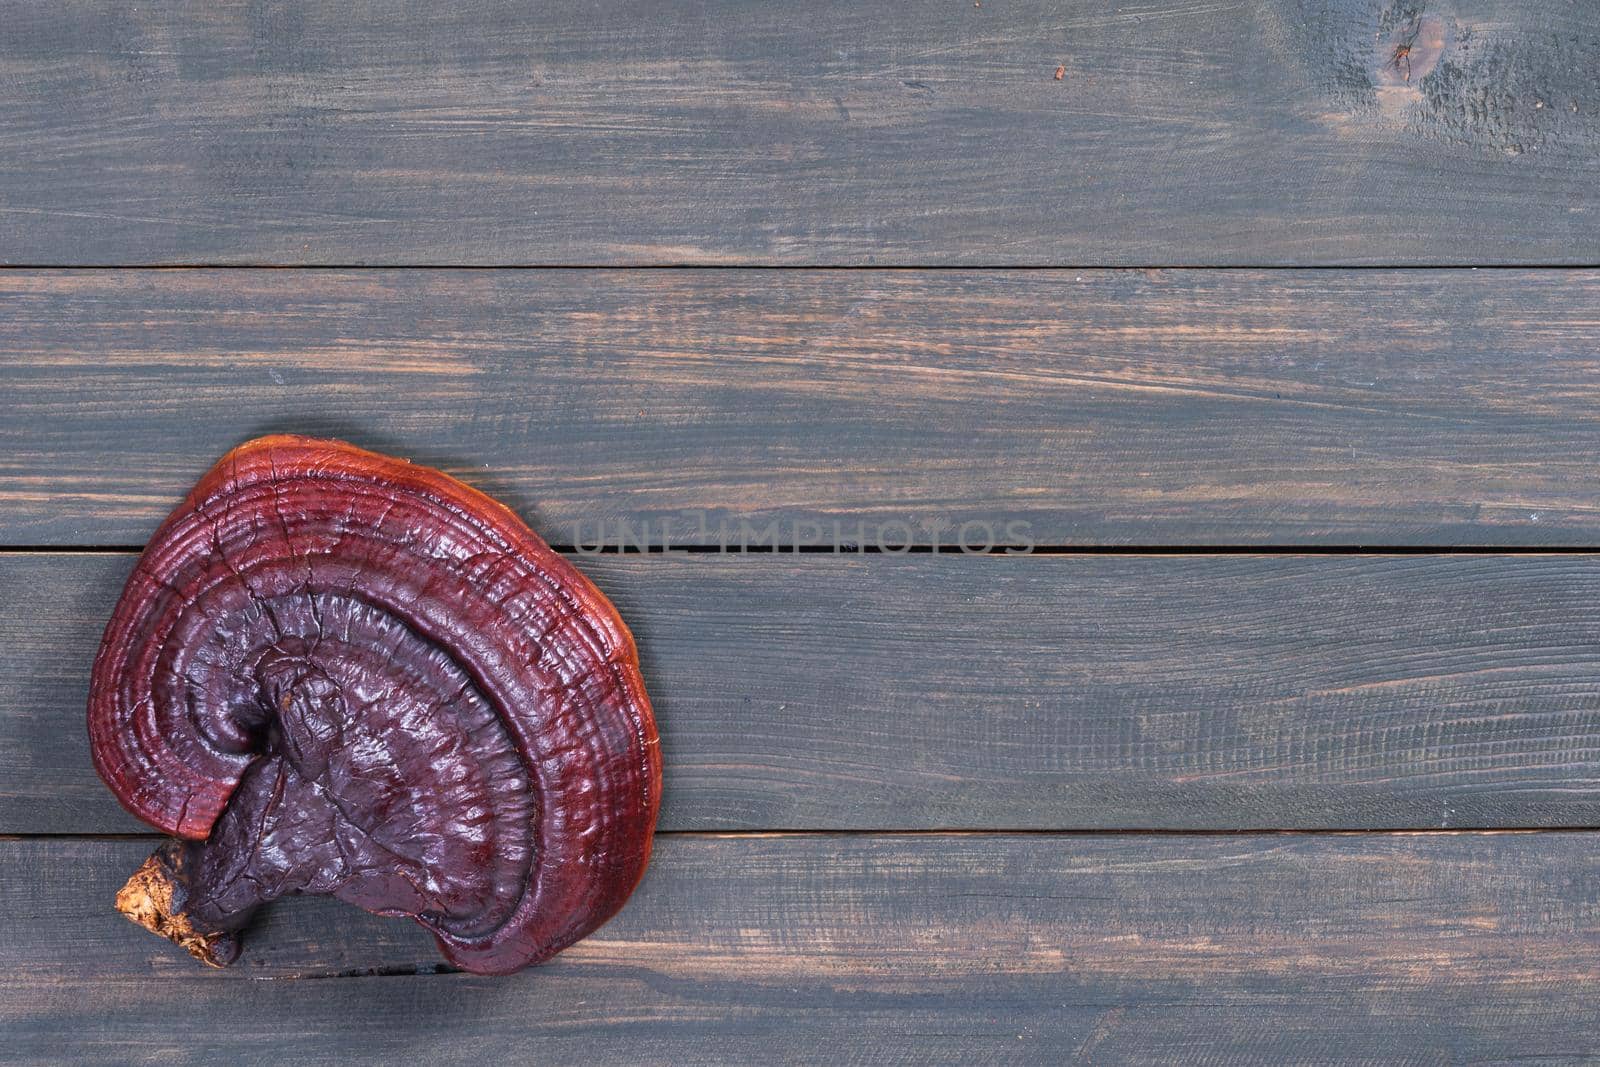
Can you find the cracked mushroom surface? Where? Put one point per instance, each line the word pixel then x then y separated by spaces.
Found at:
pixel 334 672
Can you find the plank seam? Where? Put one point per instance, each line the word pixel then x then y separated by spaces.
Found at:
pixel 956 550
pixel 932 268
pixel 710 835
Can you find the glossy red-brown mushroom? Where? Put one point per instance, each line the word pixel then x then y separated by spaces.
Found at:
pixel 336 672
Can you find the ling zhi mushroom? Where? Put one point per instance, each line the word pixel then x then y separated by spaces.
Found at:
pixel 334 672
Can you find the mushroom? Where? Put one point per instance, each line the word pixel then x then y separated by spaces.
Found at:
pixel 335 672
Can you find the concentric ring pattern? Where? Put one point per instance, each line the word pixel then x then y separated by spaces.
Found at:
pixel 349 674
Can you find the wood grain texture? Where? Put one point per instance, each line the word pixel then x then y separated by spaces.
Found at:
pixel 1173 408
pixel 623 132
pixel 1027 692
pixel 1236 949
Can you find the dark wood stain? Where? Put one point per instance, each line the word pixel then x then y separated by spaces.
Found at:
pixel 620 132
pixel 1049 692
pixel 1198 699
pixel 1161 408
pixel 992 948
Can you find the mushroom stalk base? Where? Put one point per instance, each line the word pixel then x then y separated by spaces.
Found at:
pixel 156 898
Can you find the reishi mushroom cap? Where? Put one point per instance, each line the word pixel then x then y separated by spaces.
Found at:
pixel 337 672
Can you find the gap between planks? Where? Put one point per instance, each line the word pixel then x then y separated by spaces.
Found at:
pixel 955 550
pixel 931 268
pixel 999 831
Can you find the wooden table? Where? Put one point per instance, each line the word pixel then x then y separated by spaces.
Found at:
pixel 1281 741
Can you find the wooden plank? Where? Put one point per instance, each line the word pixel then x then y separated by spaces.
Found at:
pixel 1048 692
pixel 1182 408
pixel 1147 949
pixel 1158 132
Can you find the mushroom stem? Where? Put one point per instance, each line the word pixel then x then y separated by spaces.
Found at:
pixel 157 897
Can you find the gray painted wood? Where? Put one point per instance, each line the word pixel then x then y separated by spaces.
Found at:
pixel 1174 408
pixel 1052 692
pixel 971 948
pixel 1241 131
pixel 1186 408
